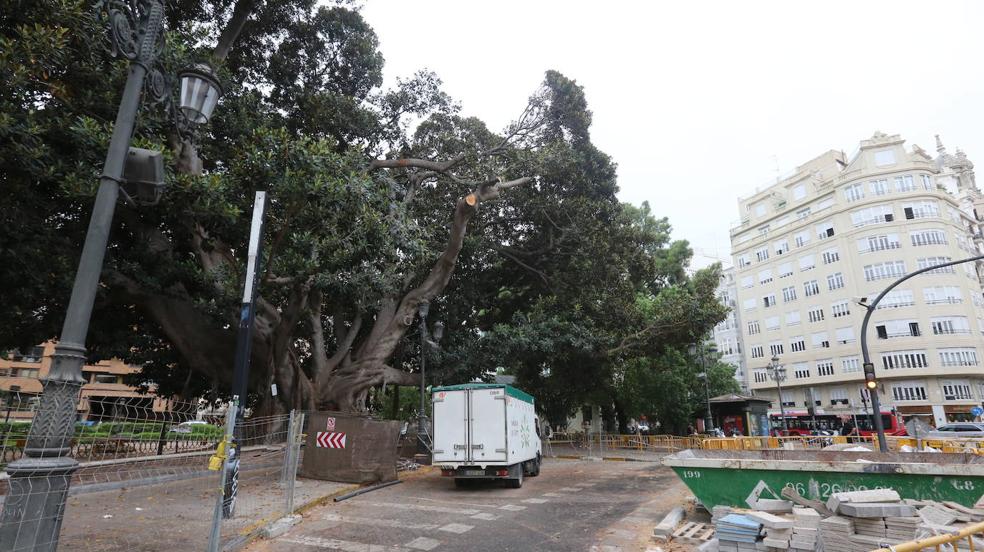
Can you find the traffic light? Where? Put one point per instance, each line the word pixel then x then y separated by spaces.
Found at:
pixel 869 376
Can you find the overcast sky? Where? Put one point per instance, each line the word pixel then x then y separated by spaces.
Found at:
pixel 702 102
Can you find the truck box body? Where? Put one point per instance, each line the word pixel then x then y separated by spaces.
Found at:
pixel 482 425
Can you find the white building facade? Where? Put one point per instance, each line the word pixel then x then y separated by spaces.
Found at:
pixel 727 334
pixel 812 245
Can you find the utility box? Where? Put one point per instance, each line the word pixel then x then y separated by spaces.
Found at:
pixel 485 431
pixel 349 448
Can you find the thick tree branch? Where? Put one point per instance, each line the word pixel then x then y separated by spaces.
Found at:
pixel 233 29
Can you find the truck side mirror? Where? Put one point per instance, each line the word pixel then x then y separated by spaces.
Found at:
pixel 536 425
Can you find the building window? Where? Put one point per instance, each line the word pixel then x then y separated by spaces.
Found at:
pixel 927 182
pixel 840 308
pixel 897 328
pixel 854 192
pixel 811 288
pixel 956 391
pixel 760 210
pixel 942 295
pixel 785 269
pixel 756 351
pixel 762 254
pixel 744 260
pixel 880 271
pixel 26 373
pixel 753 327
pixel 776 348
pixel 933 261
pixel 909 392
pixel 815 314
pixel 922 209
pixel 845 335
pixel 884 158
pixel 803 213
pixel 830 256
pixel 760 376
pixel 807 262
pixel 792 318
pixel 799 192
pixel 958 357
pixel 905 183
pixel 769 300
pixel 765 276
pixel 797 344
pixel 104 378
pixel 878 243
pixel 825 367
pixel 928 237
pixel 772 323
pixel 950 325
pixel 904 359
pixel 801 371
pixel 781 247
pixel 879 187
pixel 877 214
pixel 801 239
pixel 789 294
pixel 835 281
pixel 897 298
pixel 820 340
pixel 749 304
pixel 787 398
pixel 850 365
pixel 747 281
pixel 838 395
pixel 825 230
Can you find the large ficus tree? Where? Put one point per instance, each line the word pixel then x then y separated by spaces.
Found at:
pixel 366 220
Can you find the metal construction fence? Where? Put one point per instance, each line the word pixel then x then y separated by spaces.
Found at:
pixel 591 442
pixel 150 479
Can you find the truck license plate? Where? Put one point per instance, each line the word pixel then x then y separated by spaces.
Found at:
pixel 474 472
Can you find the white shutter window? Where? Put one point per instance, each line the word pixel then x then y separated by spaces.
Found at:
pixel 807 262
pixel 845 335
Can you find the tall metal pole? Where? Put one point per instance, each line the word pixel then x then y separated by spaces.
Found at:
pixel 244 347
pixel 776 375
pixel 32 513
pixel 707 390
pixel 422 311
pixel 869 368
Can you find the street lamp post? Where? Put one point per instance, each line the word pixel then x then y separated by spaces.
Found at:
pixel 778 374
pixel 422 309
pixel 698 349
pixel 871 382
pixel 38 484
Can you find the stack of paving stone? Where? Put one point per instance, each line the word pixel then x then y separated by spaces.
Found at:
pixel 778 530
pixel 835 534
pixel 901 529
pixel 806 524
pixel 739 533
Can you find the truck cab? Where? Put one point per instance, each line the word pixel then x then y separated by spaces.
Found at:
pixel 485 431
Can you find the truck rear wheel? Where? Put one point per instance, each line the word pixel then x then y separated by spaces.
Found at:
pixel 517 481
pixel 536 466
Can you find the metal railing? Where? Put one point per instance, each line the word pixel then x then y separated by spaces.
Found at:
pixel 960 540
pixel 672 443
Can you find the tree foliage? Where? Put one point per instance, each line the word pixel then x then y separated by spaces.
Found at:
pixel 380 199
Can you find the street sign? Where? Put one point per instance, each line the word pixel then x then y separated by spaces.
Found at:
pixel 330 439
pixel 330 424
pixel 977 411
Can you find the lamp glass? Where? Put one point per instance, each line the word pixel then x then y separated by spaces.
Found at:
pixel 199 94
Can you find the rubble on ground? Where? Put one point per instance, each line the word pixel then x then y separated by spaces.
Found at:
pixel 857 521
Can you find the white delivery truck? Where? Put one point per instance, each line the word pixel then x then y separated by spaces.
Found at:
pixel 485 431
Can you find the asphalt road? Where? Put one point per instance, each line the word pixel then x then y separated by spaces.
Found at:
pixel 572 505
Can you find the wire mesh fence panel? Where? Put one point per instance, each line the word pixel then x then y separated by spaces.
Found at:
pixel 141 481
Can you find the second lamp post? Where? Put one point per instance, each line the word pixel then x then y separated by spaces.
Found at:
pixel 777 373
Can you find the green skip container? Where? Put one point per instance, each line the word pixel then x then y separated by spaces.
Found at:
pixel 730 477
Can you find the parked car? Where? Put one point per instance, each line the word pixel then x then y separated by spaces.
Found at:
pixel 186 427
pixel 958 430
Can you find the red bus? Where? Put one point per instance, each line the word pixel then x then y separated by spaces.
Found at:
pixel 802 423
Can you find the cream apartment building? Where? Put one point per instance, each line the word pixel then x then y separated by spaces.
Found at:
pixel 842 228
pixel 727 334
